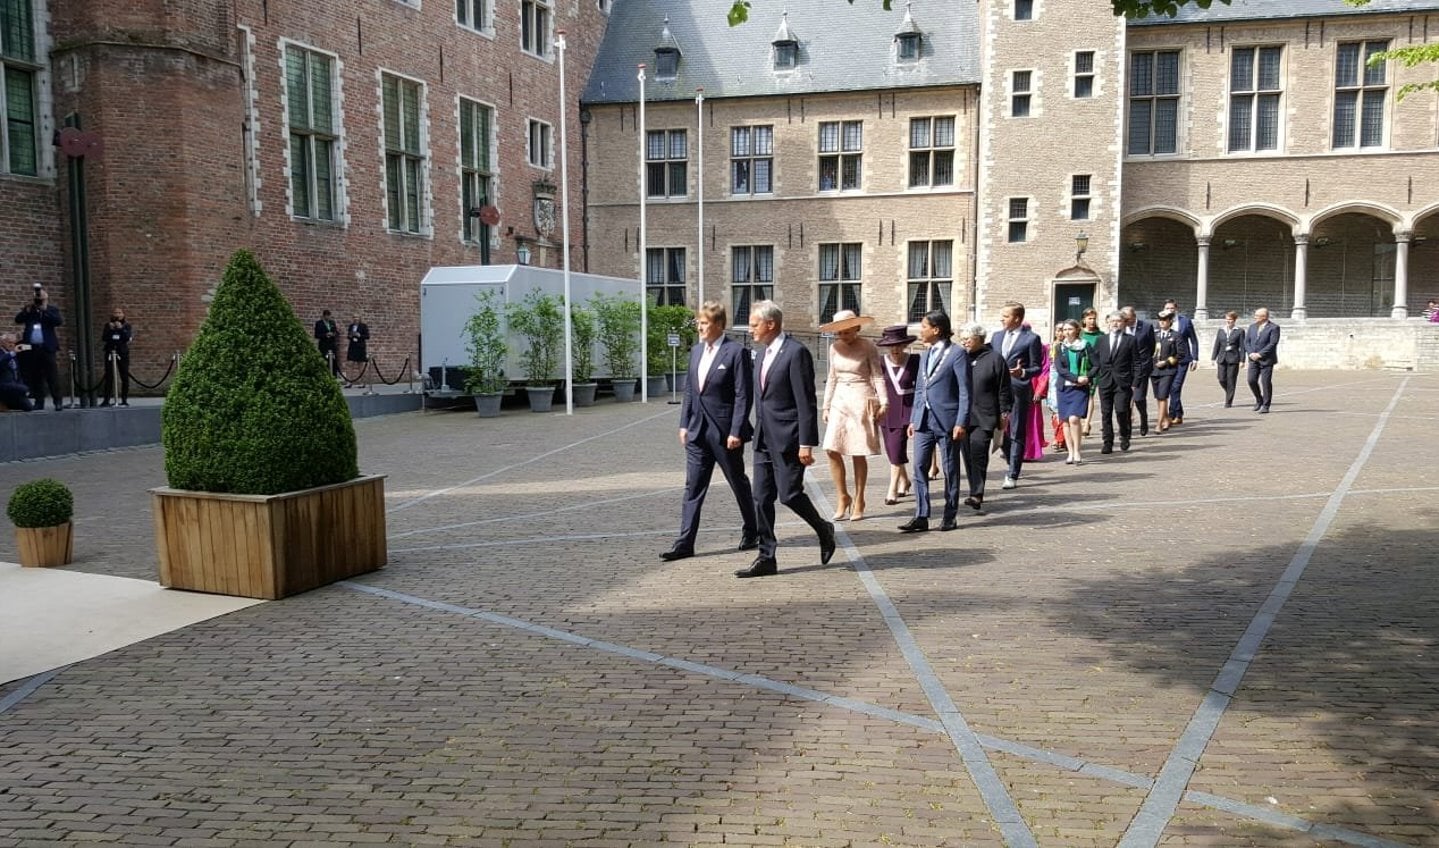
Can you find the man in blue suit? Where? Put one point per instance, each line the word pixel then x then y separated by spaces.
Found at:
pixel 1262 342
pixel 786 431
pixel 1024 356
pixel 38 321
pixel 941 410
pixel 714 425
pixel 1190 340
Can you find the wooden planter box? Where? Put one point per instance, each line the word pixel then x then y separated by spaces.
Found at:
pixel 45 547
pixel 270 546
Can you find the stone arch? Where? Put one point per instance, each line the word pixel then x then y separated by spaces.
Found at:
pixel 1158 253
pixel 1263 210
pixel 1362 207
pixel 1171 213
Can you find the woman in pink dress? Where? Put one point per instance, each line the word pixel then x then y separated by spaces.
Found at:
pixel 1034 436
pixel 854 403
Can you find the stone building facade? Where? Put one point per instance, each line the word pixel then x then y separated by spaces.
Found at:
pixel 347 145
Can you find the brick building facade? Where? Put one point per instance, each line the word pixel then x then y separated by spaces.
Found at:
pixel 336 141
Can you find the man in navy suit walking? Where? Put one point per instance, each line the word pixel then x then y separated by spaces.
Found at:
pixel 714 425
pixel 941 411
pixel 786 431
pixel 1184 328
pixel 1024 356
pixel 1262 342
pixel 1144 338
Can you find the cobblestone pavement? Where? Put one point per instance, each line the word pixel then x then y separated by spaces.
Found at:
pixel 1225 637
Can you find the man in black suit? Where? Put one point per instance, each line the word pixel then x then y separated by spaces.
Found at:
pixel 786 430
pixel 1184 328
pixel 714 425
pixel 1113 374
pixel 328 337
pixel 1024 356
pixel 1144 338
pixel 38 321
pixel 990 400
pixel 1262 342
pixel 1228 351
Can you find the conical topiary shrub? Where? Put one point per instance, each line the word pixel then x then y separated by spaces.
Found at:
pixel 253 409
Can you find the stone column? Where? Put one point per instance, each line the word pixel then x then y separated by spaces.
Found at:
pixel 1201 281
pixel 1301 273
pixel 1402 238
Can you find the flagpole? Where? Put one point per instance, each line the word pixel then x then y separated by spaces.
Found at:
pixel 644 259
pixel 700 183
pixel 565 227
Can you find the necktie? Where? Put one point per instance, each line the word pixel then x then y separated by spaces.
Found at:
pixel 934 356
pixel 763 355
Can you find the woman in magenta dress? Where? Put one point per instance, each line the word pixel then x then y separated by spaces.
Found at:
pixel 1034 436
pixel 900 369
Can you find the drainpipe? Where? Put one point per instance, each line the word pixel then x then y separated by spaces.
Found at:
pixel 585 117
pixel 80 271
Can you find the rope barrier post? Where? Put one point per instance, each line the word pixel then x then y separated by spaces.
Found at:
pixel 74 385
pixel 411 377
pixel 369 388
pixel 114 387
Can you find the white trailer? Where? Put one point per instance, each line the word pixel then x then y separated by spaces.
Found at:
pixel 447 300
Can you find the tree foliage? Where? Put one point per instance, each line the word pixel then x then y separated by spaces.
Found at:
pixel 488 346
pixel 539 317
pixel 582 339
pixel 254 409
pixel 619 332
pixel 40 503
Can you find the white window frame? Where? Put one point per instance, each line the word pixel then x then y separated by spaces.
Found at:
pixel 1253 95
pixel 846 281
pixel 747 276
pixel 1025 95
pixel 929 280
pixel 39 98
pixel 336 137
pixel 533 12
pixel 1362 86
pixel 420 226
pixel 467 171
pixel 544 144
pixel 667 285
pixel 1090 76
pixel 1076 197
pixel 841 155
pixel 665 163
pixel 1022 221
pixel 1154 97
pixel 750 157
pixel 486 11
pixel 933 152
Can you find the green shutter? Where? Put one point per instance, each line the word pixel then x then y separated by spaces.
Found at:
pixel 483 131
pixel 467 133
pixel 20 121
pixel 321 92
pixel 300 176
pixel 295 97
pixel 411 93
pixel 17 29
pixel 390 91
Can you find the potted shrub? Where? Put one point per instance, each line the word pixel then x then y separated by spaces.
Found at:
pixel 265 497
pixel 619 333
pixel 539 318
pixel 488 346
pixel 582 340
pixel 41 511
pixel 665 361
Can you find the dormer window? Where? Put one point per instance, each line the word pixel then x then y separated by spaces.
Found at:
pixel 667 64
pixel 667 55
pixel 907 40
pixel 786 46
pixel 786 55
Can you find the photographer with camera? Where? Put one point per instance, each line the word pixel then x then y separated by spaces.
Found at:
pixel 328 335
pixel 117 335
pixel 13 393
pixel 38 346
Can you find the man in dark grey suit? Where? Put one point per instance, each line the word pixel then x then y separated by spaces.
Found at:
pixel 1262 342
pixel 1113 376
pixel 786 431
pixel 714 425
pixel 1143 334
pixel 1228 351
pixel 990 400
pixel 1184 328
pixel 1024 356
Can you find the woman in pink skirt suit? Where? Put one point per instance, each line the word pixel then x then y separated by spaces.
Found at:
pixel 1034 439
pixel 854 403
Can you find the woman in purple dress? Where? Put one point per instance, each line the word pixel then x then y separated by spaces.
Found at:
pixel 900 370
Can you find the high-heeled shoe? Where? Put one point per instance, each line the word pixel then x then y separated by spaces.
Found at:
pixel 839 514
pixel 857 513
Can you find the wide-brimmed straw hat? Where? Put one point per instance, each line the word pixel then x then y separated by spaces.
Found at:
pixel 896 335
pixel 843 320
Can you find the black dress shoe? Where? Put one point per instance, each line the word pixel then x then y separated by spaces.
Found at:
pixel 761 567
pixel 1144 431
pixel 676 553
pixel 1263 410
pixel 1124 445
pixel 948 525
pixel 1258 406
pixel 973 502
pixel 914 525
pixel 826 545
pixel 1228 403
pixel 748 543
pixel 1107 449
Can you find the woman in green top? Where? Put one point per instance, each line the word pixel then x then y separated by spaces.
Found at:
pixel 1071 371
pixel 1090 332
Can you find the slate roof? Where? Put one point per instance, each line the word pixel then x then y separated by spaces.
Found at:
pixel 1263 10
pixel 842 47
